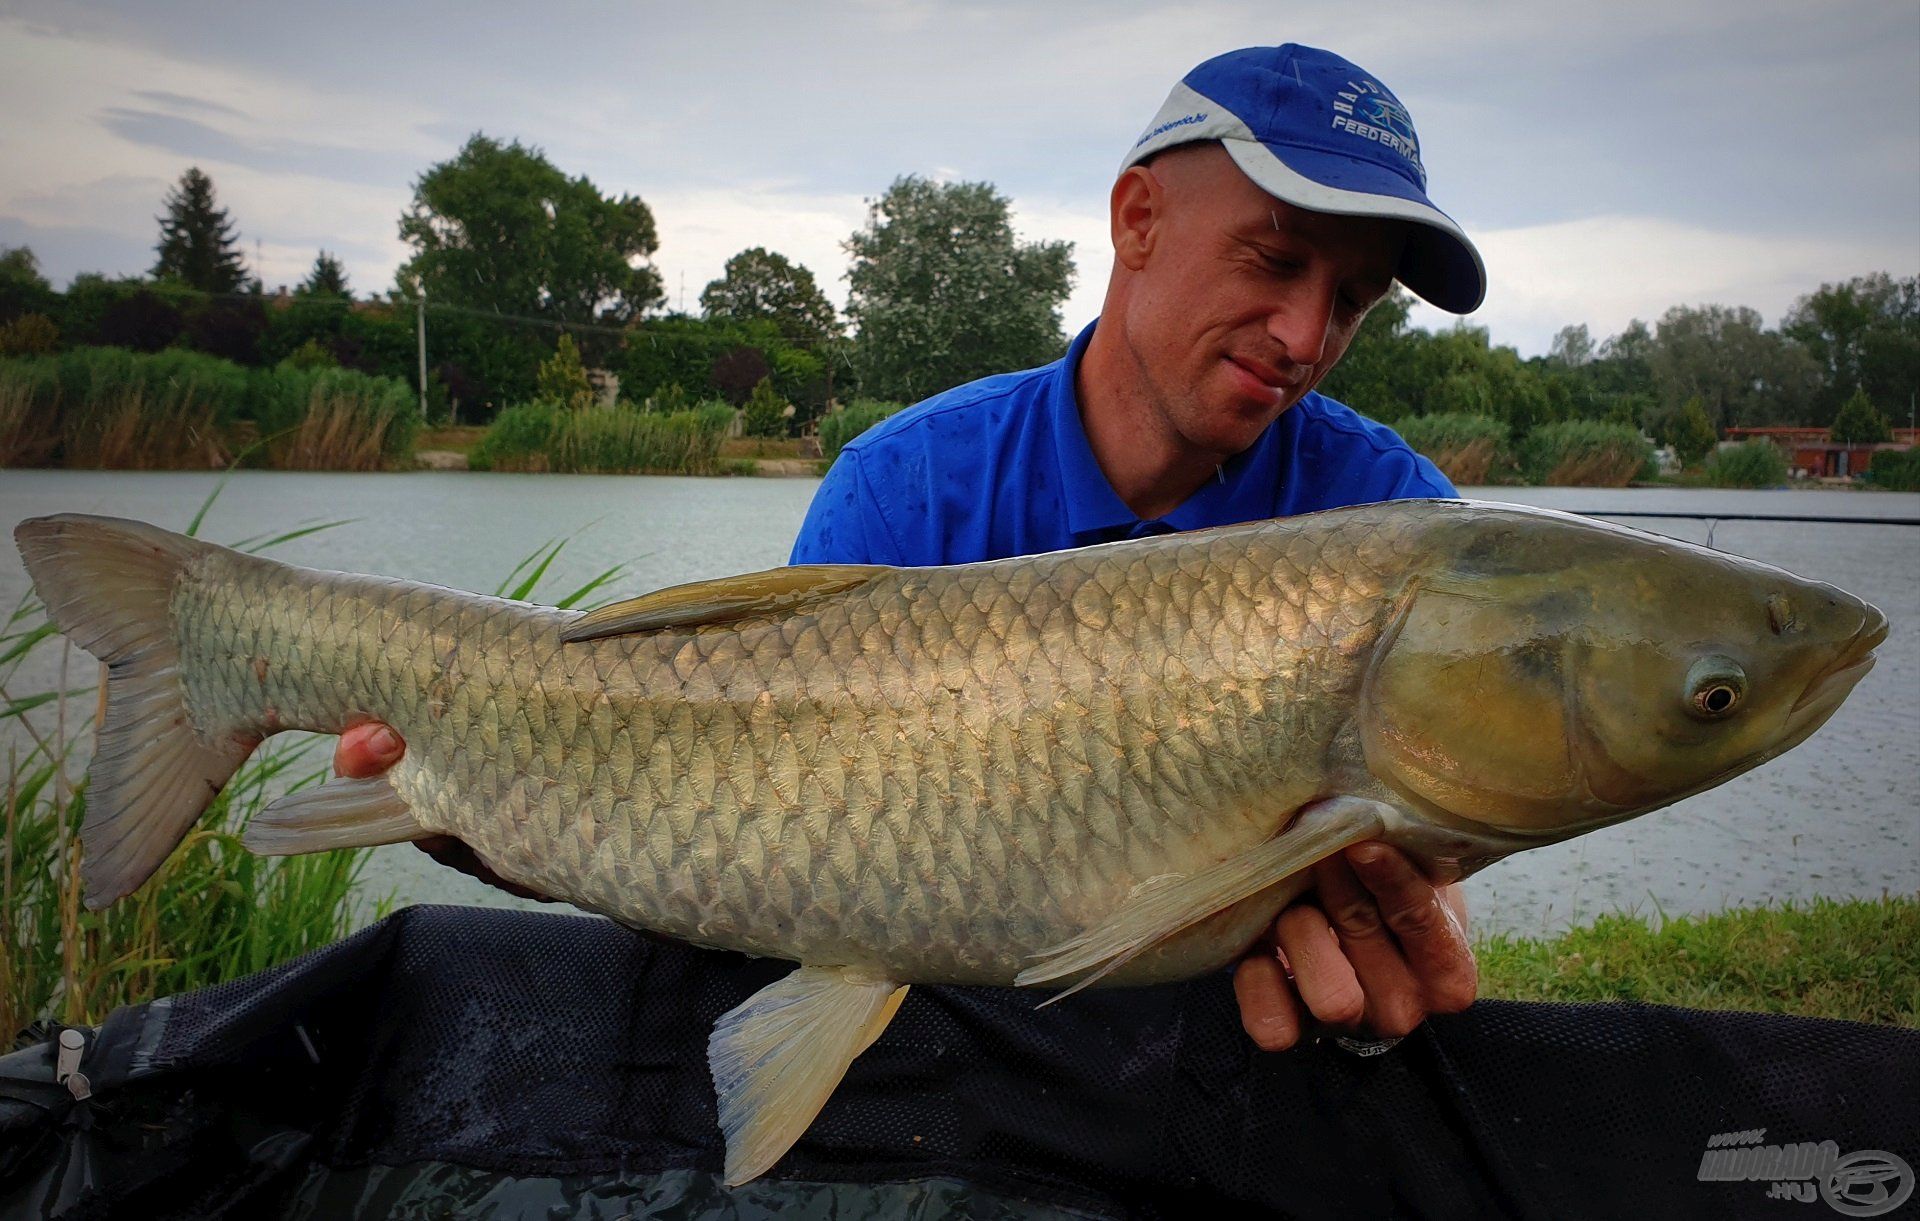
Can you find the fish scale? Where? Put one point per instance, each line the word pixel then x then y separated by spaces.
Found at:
pixel 1106 766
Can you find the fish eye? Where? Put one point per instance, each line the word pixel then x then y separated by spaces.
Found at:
pixel 1715 687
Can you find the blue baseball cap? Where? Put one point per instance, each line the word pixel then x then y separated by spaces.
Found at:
pixel 1320 133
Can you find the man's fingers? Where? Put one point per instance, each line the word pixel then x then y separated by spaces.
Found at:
pixel 1431 936
pixel 1321 973
pixel 1395 999
pixel 367 750
pixel 1268 1010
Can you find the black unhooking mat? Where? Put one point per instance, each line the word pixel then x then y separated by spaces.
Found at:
pixel 456 1062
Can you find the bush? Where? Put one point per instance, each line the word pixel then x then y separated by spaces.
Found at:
pixel 545 436
pixel 563 378
pixel 312 354
pixel 766 412
pixel 849 422
pixel 1468 449
pixel 1897 470
pixel 29 335
pixel 1750 464
pixel 1584 453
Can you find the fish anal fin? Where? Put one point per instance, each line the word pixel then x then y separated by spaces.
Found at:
pixel 1162 907
pixel 337 814
pixel 704 603
pixel 777 1056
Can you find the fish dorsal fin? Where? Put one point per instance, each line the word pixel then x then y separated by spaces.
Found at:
pixel 775 591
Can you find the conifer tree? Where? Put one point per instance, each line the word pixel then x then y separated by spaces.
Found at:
pixel 199 246
pixel 327 279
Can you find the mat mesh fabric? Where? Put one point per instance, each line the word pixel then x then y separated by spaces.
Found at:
pixel 458 1054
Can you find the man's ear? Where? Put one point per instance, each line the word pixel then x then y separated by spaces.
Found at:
pixel 1137 210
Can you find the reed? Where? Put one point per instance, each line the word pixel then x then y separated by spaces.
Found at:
pixel 1468 449
pixel 620 441
pixel 319 419
pixel 1585 453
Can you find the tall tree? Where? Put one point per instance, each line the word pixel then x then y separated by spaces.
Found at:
pixel 762 284
pixel 1572 346
pixel 199 246
pixel 1742 373
pixel 23 290
pixel 943 293
pixel 500 228
pixel 327 279
pixel 1865 335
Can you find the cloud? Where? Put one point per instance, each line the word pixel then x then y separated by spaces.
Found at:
pixel 1605 271
pixel 1761 131
pixel 180 101
pixel 197 141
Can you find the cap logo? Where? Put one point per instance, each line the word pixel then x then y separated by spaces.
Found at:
pixel 1365 109
pixel 1168 126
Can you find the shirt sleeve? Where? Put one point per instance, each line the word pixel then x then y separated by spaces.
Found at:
pixel 844 524
pixel 1415 477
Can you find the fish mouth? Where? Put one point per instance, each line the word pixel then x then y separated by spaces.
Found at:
pixel 1831 686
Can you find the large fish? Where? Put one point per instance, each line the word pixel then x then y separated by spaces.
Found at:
pixel 1107 765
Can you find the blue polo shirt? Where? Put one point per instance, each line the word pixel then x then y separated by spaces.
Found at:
pixel 1002 467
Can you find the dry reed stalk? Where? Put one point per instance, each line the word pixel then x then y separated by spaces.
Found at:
pixel 1466 464
pixel 1601 469
pixel 337 433
pixel 25 441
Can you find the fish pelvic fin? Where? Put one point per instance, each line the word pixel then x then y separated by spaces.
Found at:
pixel 1162 907
pixel 776 1057
pixel 777 591
pixel 338 814
pixel 107 584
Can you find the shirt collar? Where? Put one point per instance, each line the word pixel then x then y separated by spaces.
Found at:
pixel 1246 488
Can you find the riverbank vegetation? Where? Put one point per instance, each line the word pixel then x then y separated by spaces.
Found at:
pixel 1896 471
pixel 621 440
pixel 1857 960
pixel 110 408
pixel 1750 464
pixel 941 291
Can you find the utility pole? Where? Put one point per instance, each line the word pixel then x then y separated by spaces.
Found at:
pixel 420 333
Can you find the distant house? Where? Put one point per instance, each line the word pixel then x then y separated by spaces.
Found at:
pixel 1813 454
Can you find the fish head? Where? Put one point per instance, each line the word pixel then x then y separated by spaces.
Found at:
pixel 1550 674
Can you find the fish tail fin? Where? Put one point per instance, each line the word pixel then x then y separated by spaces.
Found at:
pixel 107 584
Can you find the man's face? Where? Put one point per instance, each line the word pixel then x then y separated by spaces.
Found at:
pixel 1242 303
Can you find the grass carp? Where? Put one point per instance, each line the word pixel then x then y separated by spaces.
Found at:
pixel 1111 765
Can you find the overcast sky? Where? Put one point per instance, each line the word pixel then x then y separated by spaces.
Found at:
pixel 1610 159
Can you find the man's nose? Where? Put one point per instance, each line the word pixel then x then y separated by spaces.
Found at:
pixel 1301 323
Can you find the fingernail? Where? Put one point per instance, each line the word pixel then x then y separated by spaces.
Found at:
pixel 1369 854
pixel 385 742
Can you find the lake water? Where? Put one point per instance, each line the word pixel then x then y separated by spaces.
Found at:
pixel 1839 816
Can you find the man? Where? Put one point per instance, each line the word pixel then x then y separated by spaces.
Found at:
pixel 1274 200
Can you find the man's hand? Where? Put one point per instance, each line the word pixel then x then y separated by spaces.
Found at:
pixel 1377 949
pixel 367 750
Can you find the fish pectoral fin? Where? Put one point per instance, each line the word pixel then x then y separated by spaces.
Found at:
pixel 775 591
pixel 776 1057
pixel 1163 906
pixel 337 814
